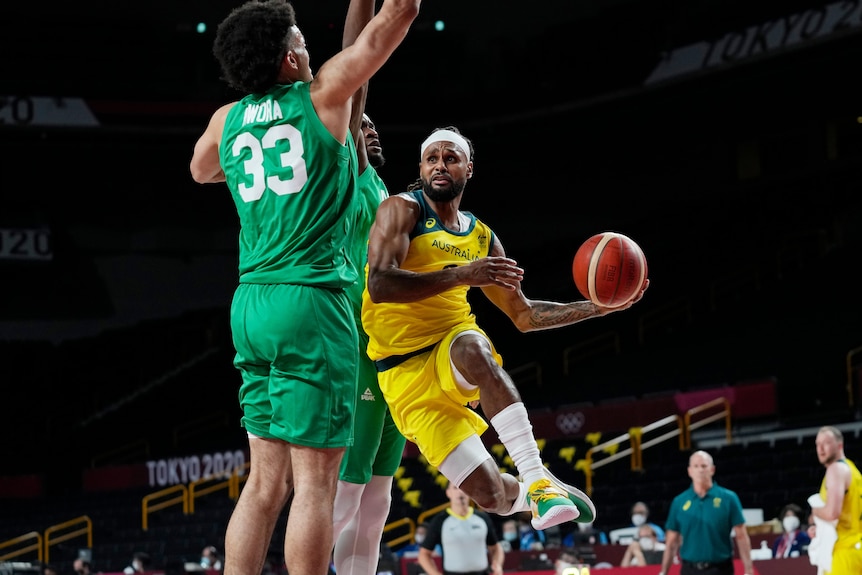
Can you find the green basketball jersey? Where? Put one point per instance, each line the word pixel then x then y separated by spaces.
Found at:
pixel 372 191
pixel 294 186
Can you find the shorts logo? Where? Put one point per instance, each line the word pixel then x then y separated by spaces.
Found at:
pixel 367 395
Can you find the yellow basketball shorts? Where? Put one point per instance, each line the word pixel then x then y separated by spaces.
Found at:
pixel 427 405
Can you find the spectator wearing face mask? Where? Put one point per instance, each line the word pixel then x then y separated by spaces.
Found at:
pixel 794 540
pixel 640 516
pixel 509 536
pixel 210 558
pixel 412 549
pixel 646 549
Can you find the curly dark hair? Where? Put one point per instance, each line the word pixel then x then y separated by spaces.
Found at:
pixel 417 184
pixel 251 43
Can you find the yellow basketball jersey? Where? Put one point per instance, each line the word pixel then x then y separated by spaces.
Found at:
pixel 400 328
pixel 849 526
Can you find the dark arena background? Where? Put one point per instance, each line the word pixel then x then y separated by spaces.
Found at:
pixel 723 136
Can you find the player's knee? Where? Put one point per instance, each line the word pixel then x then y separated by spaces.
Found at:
pixel 491 496
pixel 471 355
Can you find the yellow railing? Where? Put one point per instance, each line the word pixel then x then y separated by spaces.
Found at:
pixel 41 543
pixel 407 537
pixel 606 447
pixel 638 440
pixel 208 485
pixel 83 526
pixel 724 413
pixel 33 546
pixel 176 494
pixel 236 479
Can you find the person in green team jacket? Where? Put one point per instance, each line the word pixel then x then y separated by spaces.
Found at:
pixel 286 154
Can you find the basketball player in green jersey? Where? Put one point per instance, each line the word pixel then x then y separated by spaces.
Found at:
pixel 364 492
pixel 841 490
pixel 365 483
pixel 287 157
pixel 434 360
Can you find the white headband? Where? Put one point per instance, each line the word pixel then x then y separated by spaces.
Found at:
pixel 446 136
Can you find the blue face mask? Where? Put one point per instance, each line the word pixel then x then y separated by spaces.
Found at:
pixel 510 536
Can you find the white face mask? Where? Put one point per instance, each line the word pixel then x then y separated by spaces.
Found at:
pixel 791 522
pixel 419 538
pixel 647 544
pixel 638 519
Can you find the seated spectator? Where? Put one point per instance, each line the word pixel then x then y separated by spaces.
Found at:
pixel 529 539
pixel 81 566
pixel 566 562
pixel 509 536
pixel 210 558
pixel 639 516
pixel 585 534
pixel 583 540
pixel 646 549
pixel 794 538
pixel 140 563
pixel 412 549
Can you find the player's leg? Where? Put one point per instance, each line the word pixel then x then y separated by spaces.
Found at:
pixel 313 393
pixel 476 364
pixel 262 499
pixel 357 549
pixel 361 508
pixel 308 536
pixel 269 483
pixel 358 461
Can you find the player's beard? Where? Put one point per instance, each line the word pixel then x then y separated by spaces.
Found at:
pixel 376 160
pixel 443 194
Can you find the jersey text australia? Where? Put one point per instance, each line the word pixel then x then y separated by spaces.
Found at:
pixel 400 328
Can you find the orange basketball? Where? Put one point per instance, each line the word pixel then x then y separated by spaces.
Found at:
pixel 609 269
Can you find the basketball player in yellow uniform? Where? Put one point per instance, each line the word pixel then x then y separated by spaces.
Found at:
pixel 435 362
pixel 841 489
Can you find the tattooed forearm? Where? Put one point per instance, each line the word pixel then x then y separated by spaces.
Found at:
pixel 545 314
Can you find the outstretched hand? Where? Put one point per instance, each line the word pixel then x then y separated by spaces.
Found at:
pixel 630 303
pixel 493 270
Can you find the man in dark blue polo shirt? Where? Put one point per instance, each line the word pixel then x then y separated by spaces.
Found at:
pixel 700 522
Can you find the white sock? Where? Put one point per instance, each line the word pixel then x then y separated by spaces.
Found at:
pixel 520 504
pixel 357 548
pixel 516 434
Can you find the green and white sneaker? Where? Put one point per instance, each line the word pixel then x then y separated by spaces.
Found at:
pixel 550 505
pixel 579 498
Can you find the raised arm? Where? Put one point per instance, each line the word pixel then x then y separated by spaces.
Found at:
pixel 389 241
pixel 343 75
pixel 359 13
